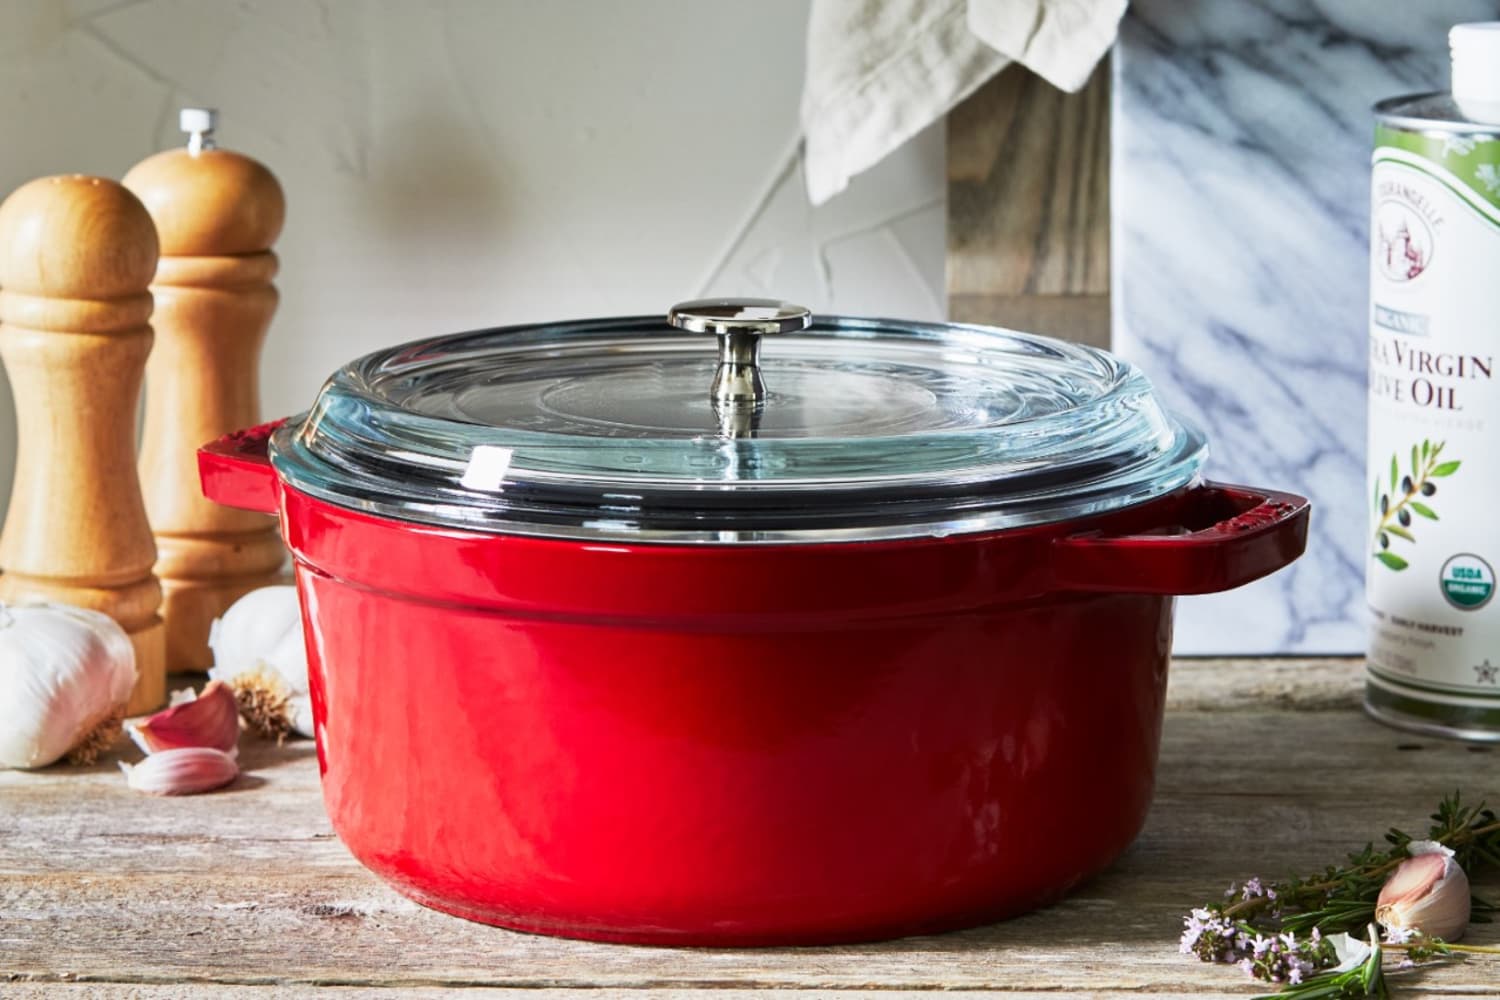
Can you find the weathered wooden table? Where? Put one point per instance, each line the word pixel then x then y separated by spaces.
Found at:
pixel 1267 767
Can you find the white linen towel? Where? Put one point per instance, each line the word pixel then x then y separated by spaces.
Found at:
pixel 880 71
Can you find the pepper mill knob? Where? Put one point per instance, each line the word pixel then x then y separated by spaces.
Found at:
pixel 218 212
pixel 199 124
pixel 76 256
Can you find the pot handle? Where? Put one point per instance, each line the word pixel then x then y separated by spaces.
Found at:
pixel 1221 538
pixel 235 470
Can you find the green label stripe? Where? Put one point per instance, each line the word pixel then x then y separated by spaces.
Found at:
pixel 1454 690
pixel 1465 194
pixel 1473 158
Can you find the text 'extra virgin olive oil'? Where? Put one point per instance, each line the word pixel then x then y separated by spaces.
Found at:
pixel 1434 428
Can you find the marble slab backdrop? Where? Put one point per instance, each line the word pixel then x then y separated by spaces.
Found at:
pixel 1240 190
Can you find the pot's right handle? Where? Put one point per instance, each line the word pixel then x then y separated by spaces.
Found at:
pixel 235 470
pixel 1222 537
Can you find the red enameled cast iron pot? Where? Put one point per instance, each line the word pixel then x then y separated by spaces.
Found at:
pixel 720 744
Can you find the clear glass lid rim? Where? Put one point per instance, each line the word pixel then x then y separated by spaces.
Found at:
pixel 365 383
pixel 360 435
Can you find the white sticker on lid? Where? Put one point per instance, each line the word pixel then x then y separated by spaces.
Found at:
pixel 487 467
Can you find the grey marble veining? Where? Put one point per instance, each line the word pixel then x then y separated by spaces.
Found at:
pixel 1241 146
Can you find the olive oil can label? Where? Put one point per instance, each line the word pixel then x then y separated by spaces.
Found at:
pixel 1434 427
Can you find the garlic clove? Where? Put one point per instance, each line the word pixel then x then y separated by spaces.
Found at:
pixel 181 771
pixel 212 719
pixel 1427 893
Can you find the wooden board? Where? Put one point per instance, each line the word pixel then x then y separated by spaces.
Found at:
pixel 1267 767
pixel 1028 206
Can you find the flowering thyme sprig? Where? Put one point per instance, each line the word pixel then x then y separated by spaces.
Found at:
pixel 1296 932
pixel 1361 973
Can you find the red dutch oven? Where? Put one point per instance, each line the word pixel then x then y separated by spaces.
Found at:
pixel 614 637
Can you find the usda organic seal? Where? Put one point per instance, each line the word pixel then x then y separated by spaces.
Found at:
pixel 1468 582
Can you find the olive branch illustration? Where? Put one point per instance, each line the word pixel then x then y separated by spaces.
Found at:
pixel 1416 488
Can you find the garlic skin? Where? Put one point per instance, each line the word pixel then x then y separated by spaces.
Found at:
pixel 1428 893
pixel 65 675
pixel 259 651
pixel 1351 951
pixel 211 719
pixel 183 771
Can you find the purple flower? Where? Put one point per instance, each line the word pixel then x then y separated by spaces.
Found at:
pixel 1398 935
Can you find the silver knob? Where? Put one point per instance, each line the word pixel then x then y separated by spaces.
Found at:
pixel 739 324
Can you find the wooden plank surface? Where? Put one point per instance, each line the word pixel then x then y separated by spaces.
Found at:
pixel 1267 768
pixel 1028 207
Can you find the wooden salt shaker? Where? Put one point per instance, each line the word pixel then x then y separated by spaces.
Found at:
pixel 217 213
pixel 76 257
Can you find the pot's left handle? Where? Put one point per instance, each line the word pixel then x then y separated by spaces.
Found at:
pixel 1220 538
pixel 235 470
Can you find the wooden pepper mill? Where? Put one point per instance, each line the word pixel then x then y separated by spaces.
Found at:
pixel 217 213
pixel 76 257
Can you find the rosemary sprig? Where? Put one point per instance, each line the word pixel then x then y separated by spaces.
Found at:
pixel 1342 898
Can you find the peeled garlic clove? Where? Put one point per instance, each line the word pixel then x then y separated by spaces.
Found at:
pixel 65 675
pixel 212 719
pixel 183 771
pixel 259 651
pixel 1428 893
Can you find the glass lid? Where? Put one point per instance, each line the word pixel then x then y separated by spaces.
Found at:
pixel 735 421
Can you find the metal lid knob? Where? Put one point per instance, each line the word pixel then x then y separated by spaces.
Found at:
pixel 739 324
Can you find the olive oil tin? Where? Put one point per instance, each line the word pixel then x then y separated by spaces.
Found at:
pixel 1434 412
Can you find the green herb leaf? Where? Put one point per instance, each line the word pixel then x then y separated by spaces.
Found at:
pixel 1416 465
pixel 1399 532
pixel 1392 560
pixel 1426 446
pixel 1446 469
pixel 1395 474
pixel 1370 974
pixel 1421 508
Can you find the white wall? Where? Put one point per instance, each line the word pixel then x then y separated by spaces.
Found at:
pixel 451 165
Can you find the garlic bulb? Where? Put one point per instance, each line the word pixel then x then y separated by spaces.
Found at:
pixel 259 652
pixel 65 675
pixel 1428 893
